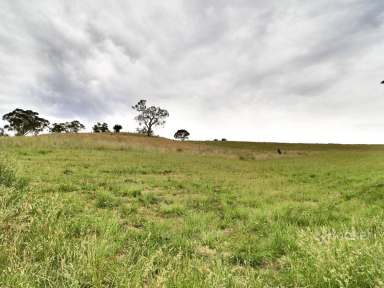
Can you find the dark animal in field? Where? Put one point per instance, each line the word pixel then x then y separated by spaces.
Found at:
pixel 279 151
pixel 382 82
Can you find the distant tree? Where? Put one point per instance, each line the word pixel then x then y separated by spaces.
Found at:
pixel 117 128
pixel 223 139
pixel 215 140
pixel 74 126
pixel 67 127
pixel 181 134
pixel 96 128
pixel 100 128
pixel 25 122
pixel 58 128
pixel 2 132
pixel 149 117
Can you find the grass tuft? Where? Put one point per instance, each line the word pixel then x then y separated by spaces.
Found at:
pixel 106 200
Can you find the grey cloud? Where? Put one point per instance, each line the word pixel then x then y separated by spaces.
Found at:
pixel 93 59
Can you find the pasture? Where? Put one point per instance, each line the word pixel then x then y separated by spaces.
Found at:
pixel 131 211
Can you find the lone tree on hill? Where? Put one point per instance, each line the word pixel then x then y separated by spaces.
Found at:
pixel 117 128
pixel 100 128
pixel 181 134
pixel 25 122
pixel 149 117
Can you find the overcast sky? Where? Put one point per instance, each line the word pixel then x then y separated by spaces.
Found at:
pixel 289 71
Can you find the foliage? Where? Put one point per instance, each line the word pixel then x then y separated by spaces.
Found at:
pixel 100 128
pixel 58 128
pixel 117 128
pixel 25 122
pixel 74 126
pixel 181 134
pixel 67 127
pixel 2 132
pixel 149 117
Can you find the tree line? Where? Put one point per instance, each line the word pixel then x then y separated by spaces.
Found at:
pixel 28 122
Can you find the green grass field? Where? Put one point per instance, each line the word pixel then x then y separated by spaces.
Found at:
pixel 130 211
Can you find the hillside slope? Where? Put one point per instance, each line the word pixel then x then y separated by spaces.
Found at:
pixel 130 211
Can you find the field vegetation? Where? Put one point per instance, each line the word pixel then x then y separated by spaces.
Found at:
pixel 122 210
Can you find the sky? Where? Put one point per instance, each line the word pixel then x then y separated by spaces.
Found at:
pixel 250 70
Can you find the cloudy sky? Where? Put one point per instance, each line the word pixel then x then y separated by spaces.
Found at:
pixel 292 70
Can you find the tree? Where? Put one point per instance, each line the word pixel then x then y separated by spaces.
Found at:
pixel 58 128
pixel 2 132
pixel 74 127
pixel 181 134
pixel 96 128
pixel 100 128
pixel 67 127
pixel 117 128
pixel 149 117
pixel 25 122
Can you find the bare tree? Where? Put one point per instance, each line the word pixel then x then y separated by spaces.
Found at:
pixel 149 117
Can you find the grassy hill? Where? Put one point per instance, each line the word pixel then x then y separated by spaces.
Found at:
pixel 130 211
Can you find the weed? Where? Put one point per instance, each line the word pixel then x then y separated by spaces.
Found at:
pixel 105 200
